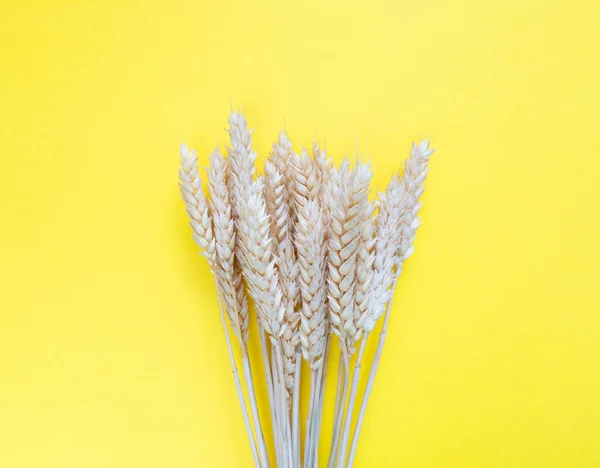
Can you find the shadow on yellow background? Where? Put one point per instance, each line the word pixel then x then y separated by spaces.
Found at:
pixel 111 353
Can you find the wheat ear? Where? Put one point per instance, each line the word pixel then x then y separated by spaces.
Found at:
pixel 311 247
pixel 363 291
pixel 281 156
pixel 277 200
pixel 225 245
pixel 200 220
pixel 343 247
pixel 190 185
pixel 405 199
pixel 240 178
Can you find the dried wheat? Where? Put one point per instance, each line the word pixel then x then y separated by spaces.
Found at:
pixel 190 185
pixel 410 189
pixel 310 244
pixel 225 245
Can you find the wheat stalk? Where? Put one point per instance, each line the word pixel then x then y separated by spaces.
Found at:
pixel 235 306
pixel 240 180
pixel 277 204
pixel 200 221
pixel 310 242
pixel 404 199
pixel 363 292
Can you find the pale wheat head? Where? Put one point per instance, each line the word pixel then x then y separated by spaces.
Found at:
pixel 224 234
pixel 258 264
pixel 276 194
pixel 387 248
pixel 412 187
pixel 342 247
pixel 190 185
pixel 358 238
pixel 281 156
pixel 306 179
pixel 311 248
pixel 241 157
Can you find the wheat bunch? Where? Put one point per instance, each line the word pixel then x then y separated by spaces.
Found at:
pixel 201 222
pixel 402 209
pixel 303 241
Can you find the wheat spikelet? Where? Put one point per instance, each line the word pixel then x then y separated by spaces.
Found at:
pixel 256 257
pixel 276 199
pixel 323 167
pixel 225 245
pixel 415 171
pixel 306 181
pixel 190 185
pixel 311 248
pixel 281 156
pixel 241 158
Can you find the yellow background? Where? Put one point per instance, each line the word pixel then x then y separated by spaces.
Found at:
pixel 111 353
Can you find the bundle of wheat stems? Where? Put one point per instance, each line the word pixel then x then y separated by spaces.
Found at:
pixel 319 259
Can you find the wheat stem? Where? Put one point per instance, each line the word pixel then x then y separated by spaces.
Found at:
pixel 296 411
pixel 269 377
pixel 372 373
pixel 322 381
pixel 314 420
pixel 236 378
pixel 338 423
pixel 309 418
pixel 280 438
pixel 351 400
pixel 283 408
pixel 254 407
pixel 337 407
